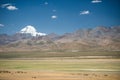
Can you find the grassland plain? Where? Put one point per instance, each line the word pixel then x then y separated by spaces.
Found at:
pixel 59 66
pixel 59 54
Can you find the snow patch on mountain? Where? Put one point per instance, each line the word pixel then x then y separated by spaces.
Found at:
pixel 31 30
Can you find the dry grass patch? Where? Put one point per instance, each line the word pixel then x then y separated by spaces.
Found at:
pixel 39 75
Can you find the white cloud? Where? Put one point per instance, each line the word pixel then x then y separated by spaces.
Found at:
pixel 9 6
pixel 5 5
pixel 46 3
pixel 84 12
pixel 1 25
pixel 53 17
pixel 96 1
pixel 54 10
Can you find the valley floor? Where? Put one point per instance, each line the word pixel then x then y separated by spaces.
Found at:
pixel 60 69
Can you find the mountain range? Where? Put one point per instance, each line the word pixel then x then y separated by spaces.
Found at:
pixel 27 39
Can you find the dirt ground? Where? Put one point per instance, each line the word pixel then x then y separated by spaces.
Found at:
pixel 53 75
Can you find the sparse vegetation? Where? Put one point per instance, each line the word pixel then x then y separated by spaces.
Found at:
pixel 35 75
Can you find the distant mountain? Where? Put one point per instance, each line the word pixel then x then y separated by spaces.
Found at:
pixel 99 38
pixel 4 39
pixel 31 31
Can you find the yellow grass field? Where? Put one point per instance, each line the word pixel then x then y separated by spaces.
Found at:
pixel 60 69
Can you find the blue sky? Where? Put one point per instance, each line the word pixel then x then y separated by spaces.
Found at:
pixel 58 16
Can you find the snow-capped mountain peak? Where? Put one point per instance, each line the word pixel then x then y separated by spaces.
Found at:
pixel 31 30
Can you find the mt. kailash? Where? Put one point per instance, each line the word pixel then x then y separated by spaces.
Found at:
pixel 32 31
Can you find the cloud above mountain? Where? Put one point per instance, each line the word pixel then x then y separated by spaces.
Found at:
pixel 85 12
pixel 54 17
pixel 46 3
pixel 1 25
pixel 96 1
pixel 9 6
pixel 5 5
